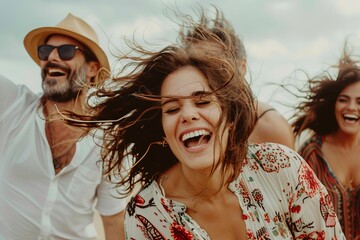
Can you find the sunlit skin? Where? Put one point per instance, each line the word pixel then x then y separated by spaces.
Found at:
pixel 347 109
pixel 69 76
pixel 182 116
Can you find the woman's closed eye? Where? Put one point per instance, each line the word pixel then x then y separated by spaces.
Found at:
pixel 342 100
pixel 173 106
pixel 170 110
pixel 202 102
pixel 170 106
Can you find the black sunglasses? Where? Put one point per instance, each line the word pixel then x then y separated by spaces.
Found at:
pixel 66 52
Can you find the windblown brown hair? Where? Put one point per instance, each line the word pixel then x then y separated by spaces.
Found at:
pixel 135 127
pixel 317 112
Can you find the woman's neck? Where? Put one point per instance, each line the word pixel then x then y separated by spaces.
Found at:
pixel 344 140
pixel 193 184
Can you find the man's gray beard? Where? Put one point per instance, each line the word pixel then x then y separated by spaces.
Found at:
pixel 70 91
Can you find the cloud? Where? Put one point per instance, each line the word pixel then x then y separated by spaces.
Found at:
pixel 348 7
pixel 279 35
pixel 281 6
pixel 314 49
pixel 146 26
pixel 266 48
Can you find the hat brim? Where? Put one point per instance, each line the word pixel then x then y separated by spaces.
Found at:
pixel 38 37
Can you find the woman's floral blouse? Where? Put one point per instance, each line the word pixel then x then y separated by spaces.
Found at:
pixel 279 194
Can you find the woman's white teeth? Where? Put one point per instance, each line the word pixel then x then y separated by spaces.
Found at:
pixel 196 133
pixel 351 117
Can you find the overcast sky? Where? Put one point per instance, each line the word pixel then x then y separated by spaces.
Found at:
pixel 279 35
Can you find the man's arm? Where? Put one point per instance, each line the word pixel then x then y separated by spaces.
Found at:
pixel 8 93
pixel 114 226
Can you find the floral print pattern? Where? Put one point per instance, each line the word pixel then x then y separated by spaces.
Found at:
pixel 279 194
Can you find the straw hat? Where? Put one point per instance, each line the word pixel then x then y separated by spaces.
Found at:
pixel 73 27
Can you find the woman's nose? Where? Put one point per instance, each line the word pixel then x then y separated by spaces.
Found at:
pixel 353 105
pixel 189 114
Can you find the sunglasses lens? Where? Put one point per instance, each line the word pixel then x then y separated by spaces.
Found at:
pixel 44 52
pixel 66 52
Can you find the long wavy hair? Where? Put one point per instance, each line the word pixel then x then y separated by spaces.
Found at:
pixel 317 111
pixel 131 114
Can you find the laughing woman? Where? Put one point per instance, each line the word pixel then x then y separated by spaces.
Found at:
pixel 332 113
pixel 185 115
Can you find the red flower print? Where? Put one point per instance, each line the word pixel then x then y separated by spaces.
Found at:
pixel 272 158
pixel 250 235
pixel 312 236
pixel 266 217
pixel 259 198
pixel 308 180
pixel 295 208
pixel 257 195
pixel 251 215
pixel 139 200
pixel 244 190
pixel 179 232
pixel 166 207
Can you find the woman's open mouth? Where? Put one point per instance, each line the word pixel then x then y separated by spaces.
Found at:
pixel 196 138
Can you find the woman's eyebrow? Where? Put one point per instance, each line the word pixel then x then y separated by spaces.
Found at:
pixel 176 98
pixel 169 100
pixel 200 93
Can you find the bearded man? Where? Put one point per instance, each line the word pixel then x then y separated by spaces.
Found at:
pixel 51 173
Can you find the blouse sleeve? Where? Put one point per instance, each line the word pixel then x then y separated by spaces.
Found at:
pixel 135 226
pixel 144 220
pixel 312 214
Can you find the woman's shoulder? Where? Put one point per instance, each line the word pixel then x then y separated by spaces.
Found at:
pixel 279 165
pixel 143 199
pixel 311 145
pixel 267 151
pixel 148 191
pixel 272 157
pixel 312 140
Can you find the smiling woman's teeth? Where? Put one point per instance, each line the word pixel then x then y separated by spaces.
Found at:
pixel 196 138
pixel 351 117
pixel 194 134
